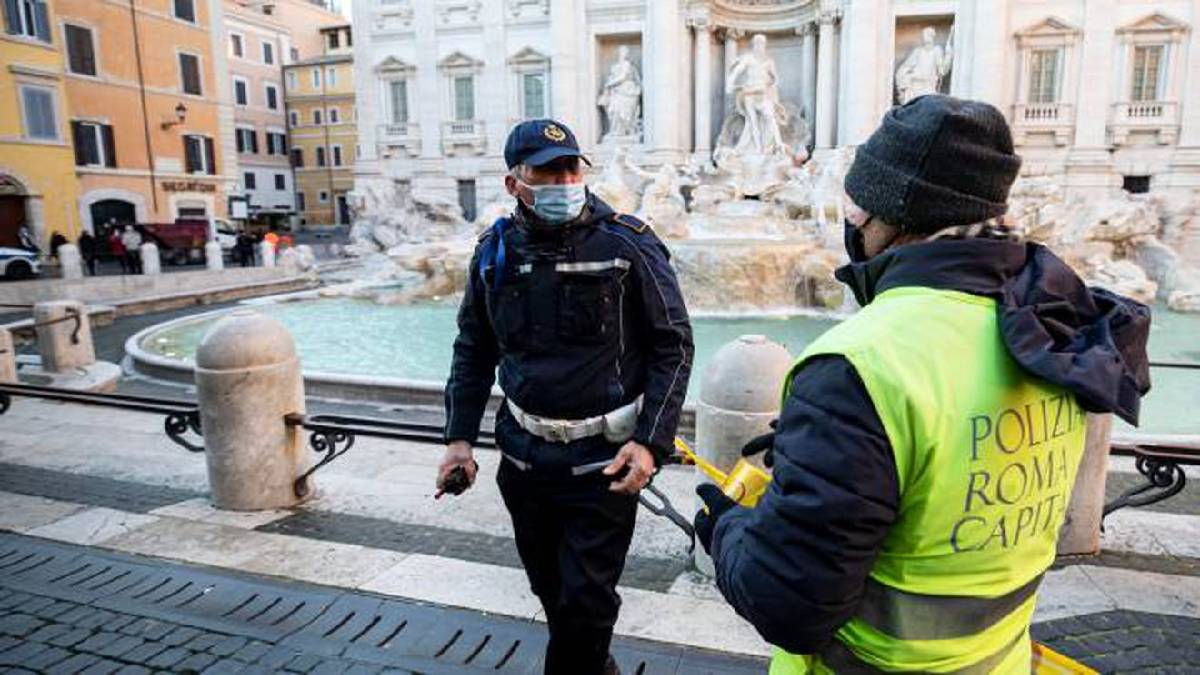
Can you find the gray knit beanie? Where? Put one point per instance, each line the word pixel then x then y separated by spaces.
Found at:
pixel 935 162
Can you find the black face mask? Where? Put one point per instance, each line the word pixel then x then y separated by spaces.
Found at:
pixel 856 244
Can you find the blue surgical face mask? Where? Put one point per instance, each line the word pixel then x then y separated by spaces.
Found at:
pixel 558 204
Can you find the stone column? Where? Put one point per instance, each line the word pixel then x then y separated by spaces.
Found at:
pixel 808 72
pixel 827 19
pixel 266 253
pixel 731 36
pixel 567 66
pixel 151 263
pixel 663 97
pixel 703 86
pixel 70 262
pixel 739 396
pixel 8 357
pixel 986 59
pixel 214 257
pixel 1091 125
pixel 247 380
pixel 861 95
pixel 1080 532
pixel 61 346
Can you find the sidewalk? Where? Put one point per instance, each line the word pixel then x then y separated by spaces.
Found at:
pixel 110 480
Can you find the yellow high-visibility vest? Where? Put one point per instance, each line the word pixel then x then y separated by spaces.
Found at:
pixel 986 456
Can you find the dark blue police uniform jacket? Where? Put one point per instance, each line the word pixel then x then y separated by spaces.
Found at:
pixel 581 319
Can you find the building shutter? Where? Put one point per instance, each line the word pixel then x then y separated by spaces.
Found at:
pixel 191 154
pixel 210 156
pixel 253 141
pixel 240 135
pixel 39 114
pixel 77 137
pixel 12 17
pixel 283 145
pixel 110 146
pixel 42 21
pixel 189 67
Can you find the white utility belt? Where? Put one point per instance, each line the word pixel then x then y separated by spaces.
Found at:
pixel 616 426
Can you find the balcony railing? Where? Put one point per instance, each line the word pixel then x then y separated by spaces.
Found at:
pixel 463 137
pixel 399 139
pixel 1160 118
pixel 1043 118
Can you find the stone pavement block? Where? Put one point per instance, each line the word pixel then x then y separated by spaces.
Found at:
pixel 196 662
pixel 75 664
pixel 228 645
pixel 93 526
pixel 57 609
pixel 79 613
pixel 179 636
pixel 47 658
pixel 168 658
pixel 19 625
pixel 204 642
pixel 49 632
pixel 119 622
pixel 329 668
pixel 303 663
pixel 7 643
pixel 122 645
pixel 102 668
pixel 277 656
pixel 150 629
pixel 13 599
pixel 253 669
pixel 252 652
pixel 96 619
pixel 71 638
pixel 225 667
pixel 21 653
pixel 96 642
pixel 36 604
pixel 133 670
pixel 144 652
pixel 362 669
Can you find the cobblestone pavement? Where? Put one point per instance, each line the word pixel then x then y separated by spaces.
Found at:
pixel 1126 642
pixel 72 609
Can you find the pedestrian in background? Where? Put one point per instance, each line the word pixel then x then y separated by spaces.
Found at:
pixel 87 249
pixel 132 240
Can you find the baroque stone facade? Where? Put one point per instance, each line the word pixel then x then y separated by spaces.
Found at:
pixel 1101 94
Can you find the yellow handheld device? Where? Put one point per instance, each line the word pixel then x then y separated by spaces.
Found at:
pixel 744 484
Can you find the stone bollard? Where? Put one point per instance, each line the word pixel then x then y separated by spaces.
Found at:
pixel 151 263
pixel 1080 534
pixel 247 379
pixel 266 253
pixel 214 257
pixel 8 357
pixel 70 262
pixel 61 347
pixel 739 396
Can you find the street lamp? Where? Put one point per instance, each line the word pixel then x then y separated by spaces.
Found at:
pixel 180 117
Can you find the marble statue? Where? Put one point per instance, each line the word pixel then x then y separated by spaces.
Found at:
pixel 754 82
pixel 621 96
pixel 613 185
pixel 662 205
pixel 927 64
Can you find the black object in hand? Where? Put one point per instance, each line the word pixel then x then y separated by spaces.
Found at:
pixel 760 443
pixel 456 482
pixel 716 504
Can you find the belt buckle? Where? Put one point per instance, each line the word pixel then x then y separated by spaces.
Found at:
pixel 557 431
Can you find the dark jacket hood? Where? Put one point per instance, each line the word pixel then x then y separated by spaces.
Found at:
pixel 1088 340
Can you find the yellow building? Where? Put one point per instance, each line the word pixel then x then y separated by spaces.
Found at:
pixel 322 127
pixel 37 169
pixel 149 108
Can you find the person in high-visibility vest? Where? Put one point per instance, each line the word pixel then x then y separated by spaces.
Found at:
pixel 927 446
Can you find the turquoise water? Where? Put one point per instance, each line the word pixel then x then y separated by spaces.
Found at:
pixel 345 335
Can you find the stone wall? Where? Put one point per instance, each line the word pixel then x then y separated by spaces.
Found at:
pixel 116 290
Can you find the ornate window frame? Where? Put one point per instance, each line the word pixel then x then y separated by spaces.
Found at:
pixel 527 61
pixel 1162 115
pixel 1057 116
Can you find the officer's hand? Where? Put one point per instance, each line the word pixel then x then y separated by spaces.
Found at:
pixel 640 463
pixel 715 505
pixel 758 444
pixel 458 454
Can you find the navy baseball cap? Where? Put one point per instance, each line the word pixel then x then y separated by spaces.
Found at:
pixel 537 142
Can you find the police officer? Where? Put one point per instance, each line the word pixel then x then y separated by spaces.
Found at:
pixel 581 311
pixel 927 446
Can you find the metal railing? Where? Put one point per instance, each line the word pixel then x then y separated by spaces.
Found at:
pixel 1146 112
pixel 1036 114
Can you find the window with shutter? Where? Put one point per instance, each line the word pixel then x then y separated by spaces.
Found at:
pixel 399 101
pixel 240 96
pixel 272 97
pixel 193 154
pixel 253 141
pixel 250 181
pixel 41 20
pixel 337 155
pixel 189 72
pixel 299 201
pixel 320 156
pixel 185 10
pixel 298 158
pixel 334 116
pixel 210 156
pixel 268 51
pixel 85 144
pixel 81 54
pixel 280 182
pixel 38 105
pixel 464 98
pixel 235 41
pixel 109 145
pixel 533 90
pixel 12 17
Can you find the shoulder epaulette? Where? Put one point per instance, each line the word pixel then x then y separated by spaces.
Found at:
pixel 631 222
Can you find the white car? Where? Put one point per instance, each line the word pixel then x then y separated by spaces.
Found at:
pixel 19 263
pixel 226 234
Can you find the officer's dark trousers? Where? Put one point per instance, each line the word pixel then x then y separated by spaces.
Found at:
pixel 572 534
